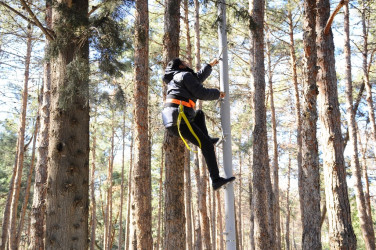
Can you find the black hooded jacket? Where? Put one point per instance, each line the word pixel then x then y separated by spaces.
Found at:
pixel 187 85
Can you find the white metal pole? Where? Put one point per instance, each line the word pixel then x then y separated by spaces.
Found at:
pixel 226 128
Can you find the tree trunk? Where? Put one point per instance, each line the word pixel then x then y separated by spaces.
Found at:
pixel 120 242
pixel 108 214
pixel 68 154
pixel 276 207
pixel 219 219
pixel 263 239
pixel 309 177
pixel 240 222
pixel 174 216
pixel 297 105
pixel 28 184
pixel 130 187
pixel 287 235
pixel 21 150
pixel 198 242
pixel 366 224
pixel 39 198
pixel 92 185
pixel 6 217
pixel 368 84
pixel 160 202
pixel 188 198
pixel 141 203
pixel 365 175
pixel 252 217
pixel 341 233
pixel 214 222
pixel 187 167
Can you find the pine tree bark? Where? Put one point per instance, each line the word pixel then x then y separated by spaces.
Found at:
pixel 366 224
pixel 198 241
pixel 275 186
pixel 121 238
pixel 68 153
pixel 160 202
pixel 174 217
pixel 141 203
pixel 28 183
pixel 93 225
pixel 261 192
pixel 108 213
pixel 341 233
pixel 39 198
pixel 297 105
pixel 129 196
pixel 6 215
pixel 187 167
pixel 21 150
pixel 288 210
pixel 309 184
pixel 368 84
pixel 240 221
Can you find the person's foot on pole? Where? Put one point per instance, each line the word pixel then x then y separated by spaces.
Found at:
pixel 214 140
pixel 218 183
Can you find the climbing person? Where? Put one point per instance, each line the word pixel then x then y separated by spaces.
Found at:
pixel 184 87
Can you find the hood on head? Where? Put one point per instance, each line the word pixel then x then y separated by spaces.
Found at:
pixel 172 69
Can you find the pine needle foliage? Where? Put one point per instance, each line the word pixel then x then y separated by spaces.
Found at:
pixel 103 28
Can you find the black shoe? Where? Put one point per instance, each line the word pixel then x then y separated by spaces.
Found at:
pixel 221 181
pixel 214 140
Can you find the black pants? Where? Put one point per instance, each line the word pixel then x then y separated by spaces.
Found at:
pixel 207 147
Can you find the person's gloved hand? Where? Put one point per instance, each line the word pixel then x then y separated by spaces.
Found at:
pixel 214 62
pixel 222 95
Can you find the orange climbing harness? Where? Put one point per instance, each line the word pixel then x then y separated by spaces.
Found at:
pixel 190 104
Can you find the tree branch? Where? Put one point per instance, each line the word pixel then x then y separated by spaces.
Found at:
pixel 335 12
pixel 49 36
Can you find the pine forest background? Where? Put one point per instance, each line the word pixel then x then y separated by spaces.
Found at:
pixel 25 56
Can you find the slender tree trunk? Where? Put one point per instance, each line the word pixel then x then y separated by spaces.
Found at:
pixel 39 198
pixel 240 222
pixel 141 203
pixel 197 35
pixel 160 202
pixel 214 222
pixel 188 197
pixel 366 224
pixel 21 150
pixel 198 242
pixel 297 104
pixel 263 239
pixel 120 242
pixel 68 165
pixel 275 169
pixel 174 218
pixel 368 84
pixel 288 210
pixel 219 219
pixel 108 214
pixel 365 175
pixel 129 199
pixel 252 215
pixel 341 232
pixel 6 216
pixel 187 167
pixel 309 177
pixel 28 183
pixel 92 185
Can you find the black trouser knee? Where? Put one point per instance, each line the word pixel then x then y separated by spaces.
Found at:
pixel 207 146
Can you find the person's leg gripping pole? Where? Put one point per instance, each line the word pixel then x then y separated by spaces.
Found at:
pixel 182 115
